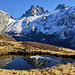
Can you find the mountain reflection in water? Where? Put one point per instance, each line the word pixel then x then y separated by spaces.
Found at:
pixel 32 62
pixel 36 63
pixel 5 61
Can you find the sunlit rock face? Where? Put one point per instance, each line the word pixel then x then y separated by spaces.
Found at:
pixel 4 19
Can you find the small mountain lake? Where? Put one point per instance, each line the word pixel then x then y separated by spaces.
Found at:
pixel 25 62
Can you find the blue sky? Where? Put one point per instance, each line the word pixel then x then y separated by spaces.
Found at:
pixel 17 7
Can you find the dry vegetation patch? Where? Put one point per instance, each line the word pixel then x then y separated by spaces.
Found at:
pixel 10 45
pixel 68 69
pixel 33 47
pixel 4 37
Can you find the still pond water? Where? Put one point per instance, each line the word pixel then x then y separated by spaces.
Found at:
pixel 31 62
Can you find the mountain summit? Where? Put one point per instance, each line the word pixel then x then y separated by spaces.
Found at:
pixel 55 28
pixel 34 10
pixel 60 6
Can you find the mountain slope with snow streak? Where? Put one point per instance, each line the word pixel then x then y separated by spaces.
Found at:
pixel 56 28
pixel 4 19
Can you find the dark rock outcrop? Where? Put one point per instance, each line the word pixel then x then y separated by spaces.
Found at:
pixel 60 6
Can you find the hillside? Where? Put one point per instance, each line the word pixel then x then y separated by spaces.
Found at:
pixel 9 45
pixel 54 28
pixel 4 37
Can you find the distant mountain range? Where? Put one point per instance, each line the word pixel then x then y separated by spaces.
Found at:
pixel 39 25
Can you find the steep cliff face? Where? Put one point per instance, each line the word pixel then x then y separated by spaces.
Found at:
pixel 4 19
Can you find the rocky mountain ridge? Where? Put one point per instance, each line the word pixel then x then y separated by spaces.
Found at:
pixel 55 28
pixel 60 6
pixel 34 10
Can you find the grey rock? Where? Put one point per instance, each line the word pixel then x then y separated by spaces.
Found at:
pixel 34 10
pixel 4 19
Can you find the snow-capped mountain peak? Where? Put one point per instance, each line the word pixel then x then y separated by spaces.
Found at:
pixel 34 10
pixel 57 27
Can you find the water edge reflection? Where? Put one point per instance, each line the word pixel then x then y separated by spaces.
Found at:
pixel 20 62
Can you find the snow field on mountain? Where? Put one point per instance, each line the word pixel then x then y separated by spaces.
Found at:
pixel 59 22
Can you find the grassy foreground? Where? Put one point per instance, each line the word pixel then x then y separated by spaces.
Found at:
pixel 68 69
pixel 10 45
